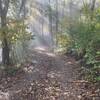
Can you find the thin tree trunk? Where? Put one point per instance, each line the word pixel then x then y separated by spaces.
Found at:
pixel 50 24
pixel 57 22
pixel 50 17
pixel 57 19
pixel 5 52
pixel 92 8
pixel 5 46
pixel 93 5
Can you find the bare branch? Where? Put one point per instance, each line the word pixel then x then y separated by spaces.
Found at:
pixel 6 3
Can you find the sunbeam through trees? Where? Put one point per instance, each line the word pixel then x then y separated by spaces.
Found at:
pixel 49 49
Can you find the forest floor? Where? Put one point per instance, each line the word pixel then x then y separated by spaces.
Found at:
pixel 47 76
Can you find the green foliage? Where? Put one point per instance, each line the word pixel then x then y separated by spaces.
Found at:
pixel 17 31
pixel 93 65
pixel 18 37
pixel 85 35
pixel 64 40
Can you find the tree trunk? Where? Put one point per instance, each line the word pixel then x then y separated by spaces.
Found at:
pixel 5 52
pixel 57 19
pixel 92 8
pixel 5 45
pixel 50 24
pixel 57 22
pixel 93 5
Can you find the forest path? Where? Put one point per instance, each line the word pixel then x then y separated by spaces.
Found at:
pixel 45 76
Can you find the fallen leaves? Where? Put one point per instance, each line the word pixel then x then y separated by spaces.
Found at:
pixel 45 77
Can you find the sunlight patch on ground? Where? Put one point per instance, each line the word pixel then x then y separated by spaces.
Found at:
pixel 69 62
pixel 54 74
pixel 40 48
pixel 44 50
pixel 4 95
pixel 29 69
pixel 34 62
pixel 50 54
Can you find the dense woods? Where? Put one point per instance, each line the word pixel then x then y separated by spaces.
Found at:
pixel 60 38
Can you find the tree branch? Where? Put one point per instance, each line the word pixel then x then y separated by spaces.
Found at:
pixel 6 3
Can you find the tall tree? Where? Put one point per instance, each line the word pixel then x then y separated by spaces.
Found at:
pixel 5 46
pixel 50 16
pixel 4 8
pixel 57 16
pixel 50 21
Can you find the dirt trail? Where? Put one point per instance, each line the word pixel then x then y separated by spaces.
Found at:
pixel 45 76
